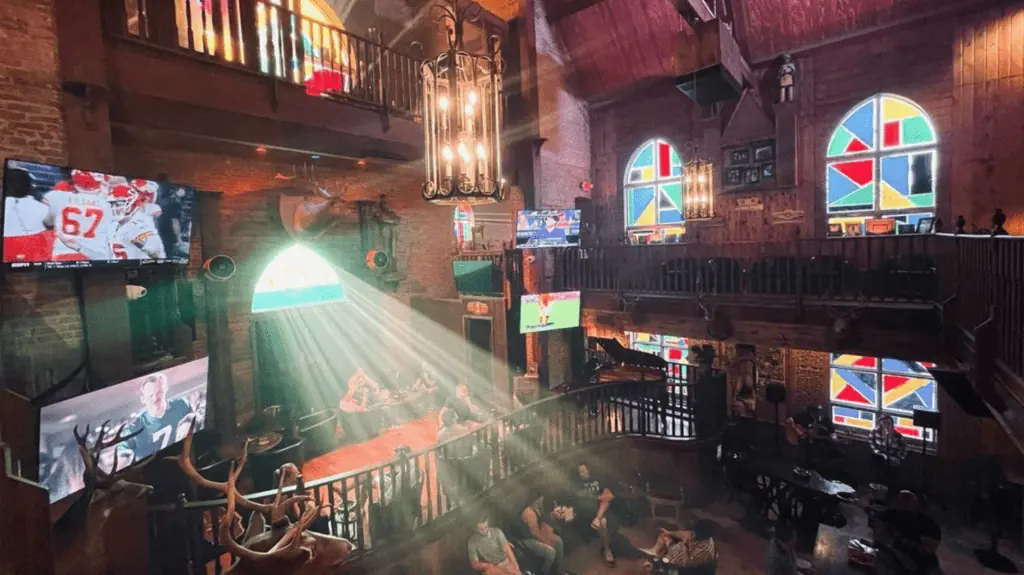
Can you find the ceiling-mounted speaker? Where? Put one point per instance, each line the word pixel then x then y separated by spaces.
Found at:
pixel 219 268
pixel 378 260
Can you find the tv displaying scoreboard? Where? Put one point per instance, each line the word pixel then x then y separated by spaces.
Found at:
pixel 61 218
pixel 477 277
pixel 549 311
pixel 547 228
pixel 160 406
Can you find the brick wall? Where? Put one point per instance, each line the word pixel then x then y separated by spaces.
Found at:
pixel 252 231
pixel 564 122
pixel 41 334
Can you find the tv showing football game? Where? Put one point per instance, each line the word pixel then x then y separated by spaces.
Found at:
pixel 548 228
pixel 549 311
pixel 62 218
pixel 476 277
pixel 159 407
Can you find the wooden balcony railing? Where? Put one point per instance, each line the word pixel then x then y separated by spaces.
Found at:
pixel 882 269
pixel 274 39
pixel 423 488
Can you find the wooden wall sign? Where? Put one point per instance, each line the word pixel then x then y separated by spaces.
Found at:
pixel 751 204
pixel 787 217
pixel 477 308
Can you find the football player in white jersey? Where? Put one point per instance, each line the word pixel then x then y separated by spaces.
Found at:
pixel 136 236
pixel 81 218
pixel 148 191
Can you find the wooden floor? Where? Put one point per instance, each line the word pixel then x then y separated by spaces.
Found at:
pixel 417 434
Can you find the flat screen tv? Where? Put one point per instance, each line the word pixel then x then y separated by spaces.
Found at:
pixel 547 228
pixel 162 405
pixel 58 218
pixel 476 277
pixel 549 311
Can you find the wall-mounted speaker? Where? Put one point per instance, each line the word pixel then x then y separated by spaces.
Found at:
pixel 378 260
pixel 219 268
pixel 927 419
pixel 775 393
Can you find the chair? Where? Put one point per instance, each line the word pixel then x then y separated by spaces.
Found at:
pixel 318 430
pixel 263 464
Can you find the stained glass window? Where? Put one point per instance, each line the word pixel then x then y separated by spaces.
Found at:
pixel 654 192
pixel 463 223
pixel 882 161
pixel 674 350
pixel 862 387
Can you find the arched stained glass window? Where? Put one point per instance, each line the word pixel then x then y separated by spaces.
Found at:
pixel 864 388
pixel 654 194
pixel 882 163
pixel 297 277
pixel 463 220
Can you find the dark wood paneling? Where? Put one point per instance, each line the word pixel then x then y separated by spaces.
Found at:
pixel 988 118
pixel 618 42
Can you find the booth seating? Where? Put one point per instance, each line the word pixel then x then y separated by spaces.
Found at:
pixel 319 431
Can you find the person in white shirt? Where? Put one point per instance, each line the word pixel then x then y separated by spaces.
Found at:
pixel 81 218
pixel 26 237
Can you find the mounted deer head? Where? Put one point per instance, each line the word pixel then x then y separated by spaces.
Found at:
pixel 111 513
pixel 287 548
pixel 307 207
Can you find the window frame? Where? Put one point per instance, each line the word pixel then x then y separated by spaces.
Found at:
pixel 879 371
pixel 876 155
pixel 649 231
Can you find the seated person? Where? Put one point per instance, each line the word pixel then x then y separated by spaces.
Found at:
pixel 363 393
pixel 489 552
pixel 463 407
pixel 910 537
pixel 535 533
pixel 593 499
pixel 888 449
pixel 685 548
pixel 426 381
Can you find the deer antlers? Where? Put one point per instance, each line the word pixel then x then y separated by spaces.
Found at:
pixel 276 511
pixel 287 549
pixel 95 476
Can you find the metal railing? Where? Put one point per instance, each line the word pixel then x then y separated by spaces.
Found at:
pixel 884 269
pixel 274 39
pixel 386 502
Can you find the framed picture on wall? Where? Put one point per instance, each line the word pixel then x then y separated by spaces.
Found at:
pixel 739 156
pixel 749 165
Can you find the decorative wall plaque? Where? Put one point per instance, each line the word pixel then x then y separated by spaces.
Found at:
pixel 787 217
pixel 751 204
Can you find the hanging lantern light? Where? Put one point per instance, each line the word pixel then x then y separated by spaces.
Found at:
pixel 462 118
pixel 699 199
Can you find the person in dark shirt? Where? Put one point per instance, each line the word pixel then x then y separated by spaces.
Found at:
pixel 550 234
pixel 593 502
pixel 911 536
pixel 162 422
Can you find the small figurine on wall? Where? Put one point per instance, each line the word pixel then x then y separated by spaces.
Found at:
pixel 787 78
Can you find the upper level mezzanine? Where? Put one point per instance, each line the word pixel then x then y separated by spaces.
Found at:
pixel 279 73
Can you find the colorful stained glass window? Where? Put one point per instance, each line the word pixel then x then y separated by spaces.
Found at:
pixel 882 162
pixel 654 191
pixel 463 224
pixel 675 350
pixel 863 387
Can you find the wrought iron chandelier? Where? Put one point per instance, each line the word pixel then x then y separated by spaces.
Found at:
pixel 699 200
pixel 462 118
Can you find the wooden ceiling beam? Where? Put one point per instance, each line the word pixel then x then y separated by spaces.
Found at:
pixel 563 10
pixel 695 10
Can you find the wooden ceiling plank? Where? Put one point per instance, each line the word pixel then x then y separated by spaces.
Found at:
pixel 562 10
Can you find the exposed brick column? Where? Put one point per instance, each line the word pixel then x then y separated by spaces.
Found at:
pixel 85 99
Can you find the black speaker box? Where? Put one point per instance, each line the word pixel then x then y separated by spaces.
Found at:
pixel 775 393
pixel 927 419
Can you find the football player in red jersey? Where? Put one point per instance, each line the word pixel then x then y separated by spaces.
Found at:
pixel 544 308
pixel 136 236
pixel 81 217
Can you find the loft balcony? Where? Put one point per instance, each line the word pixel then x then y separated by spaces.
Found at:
pixel 268 72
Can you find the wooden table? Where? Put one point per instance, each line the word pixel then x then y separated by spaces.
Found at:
pixel 830 547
